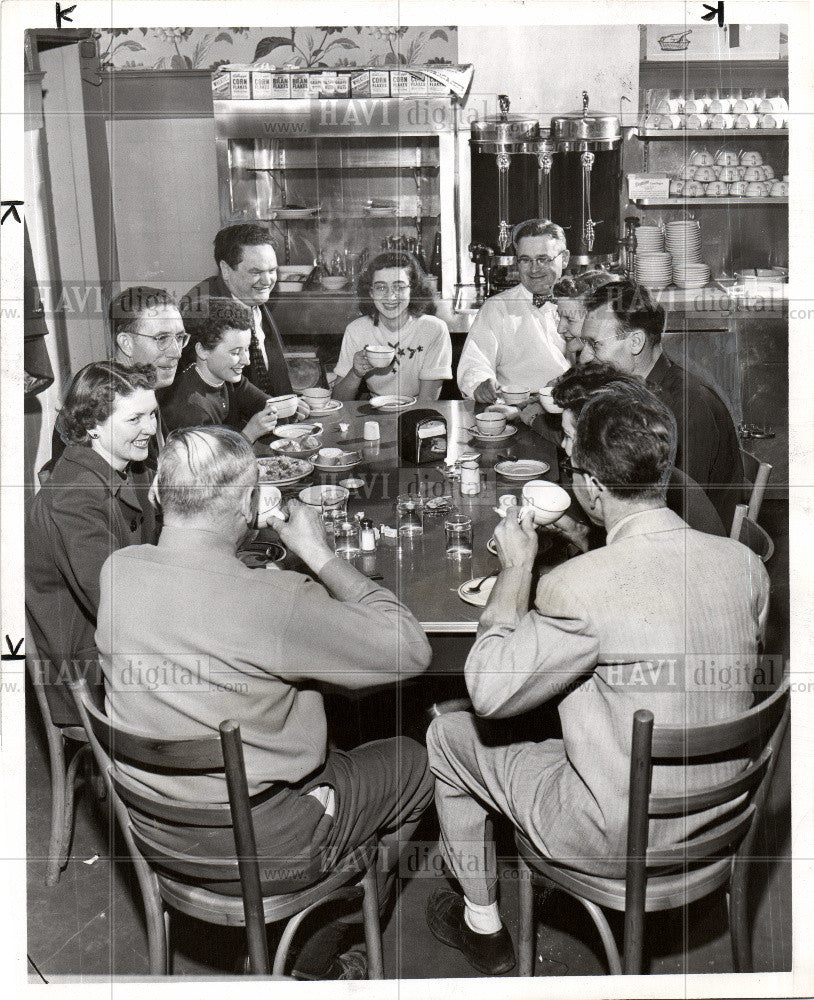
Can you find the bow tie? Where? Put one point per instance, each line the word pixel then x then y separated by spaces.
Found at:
pixel 540 300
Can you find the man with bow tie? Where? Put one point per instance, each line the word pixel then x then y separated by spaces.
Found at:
pixel 513 339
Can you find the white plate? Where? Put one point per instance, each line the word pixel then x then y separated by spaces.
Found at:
pixel 294 213
pixel 294 431
pixel 353 483
pixel 345 467
pixel 324 411
pixel 312 495
pixel 479 598
pixel 524 468
pixel 391 404
pixel 493 438
pixel 302 470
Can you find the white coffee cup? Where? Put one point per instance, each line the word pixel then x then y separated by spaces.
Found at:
pixel 316 396
pixel 269 501
pixel 490 422
pixel 380 355
pixel 548 501
pixel 515 395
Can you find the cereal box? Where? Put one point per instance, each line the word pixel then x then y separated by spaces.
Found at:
pixel 281 85
pixel 241 84
pixel 379 83
pixel 299 84
pixel 221 85
pixel 261 84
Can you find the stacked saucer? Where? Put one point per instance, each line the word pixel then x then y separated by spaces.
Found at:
pixel 649 239
pixel 683 241
pixel 654 270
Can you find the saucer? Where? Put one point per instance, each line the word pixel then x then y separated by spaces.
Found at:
pixel 479 598
pixel 492 438
pixel 525 468
pixel 323 411
pixel 392 404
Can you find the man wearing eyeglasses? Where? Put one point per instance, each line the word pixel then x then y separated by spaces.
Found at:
pixel 513 339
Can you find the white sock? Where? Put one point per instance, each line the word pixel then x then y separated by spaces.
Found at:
pixel 482 919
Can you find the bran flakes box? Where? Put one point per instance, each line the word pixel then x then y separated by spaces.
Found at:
pixel 359 83
pixel 399 83
pixel 221 85
pixel 281 85
pixel 261 84
pixel 380 83
pixel 417 85
pixel 299 85
pixel 241 84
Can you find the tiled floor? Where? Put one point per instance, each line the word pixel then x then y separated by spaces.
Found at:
pixel 91 922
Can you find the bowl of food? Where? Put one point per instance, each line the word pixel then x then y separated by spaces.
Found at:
pixel 380 355
pixel 292 432
pixel 327 496
pixel 548 501
pixel 286 406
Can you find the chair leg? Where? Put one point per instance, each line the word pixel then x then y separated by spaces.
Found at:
pixel 373 930
pixel 79 758
pixel 168 941
pixel 602 925
pixel 56 758
pixel 738 927
pixel 525 944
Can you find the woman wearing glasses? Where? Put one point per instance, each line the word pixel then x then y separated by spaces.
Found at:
pixel 513 339
pixel 94 503
pixel 398 311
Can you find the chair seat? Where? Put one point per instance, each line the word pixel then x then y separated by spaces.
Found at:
pixel 217 908
pixel 664 892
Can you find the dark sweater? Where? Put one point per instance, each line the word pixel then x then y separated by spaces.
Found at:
pixel 192 403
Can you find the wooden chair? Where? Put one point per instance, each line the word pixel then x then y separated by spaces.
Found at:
pixel 757 473
pixel 167 878
pixel 61 741
pixel 749 532
pixel 668 878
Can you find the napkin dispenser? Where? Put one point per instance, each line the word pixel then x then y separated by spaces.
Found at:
pixel 422 437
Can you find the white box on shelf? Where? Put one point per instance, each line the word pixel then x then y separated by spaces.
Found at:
pixel 648 186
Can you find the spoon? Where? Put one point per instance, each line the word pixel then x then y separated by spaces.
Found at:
pixel 477 587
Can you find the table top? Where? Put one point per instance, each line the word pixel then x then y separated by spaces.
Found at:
pixel 419 571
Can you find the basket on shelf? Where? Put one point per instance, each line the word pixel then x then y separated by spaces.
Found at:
pixel 676 42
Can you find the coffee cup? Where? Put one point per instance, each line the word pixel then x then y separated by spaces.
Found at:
pixel 490 422
pixel 753 173
pixel 380 355
pixel 285 406
pixel 548 501
pixel 316 396
pixel 756 189
pixel 728 174
pixel 751 158
pixel 676 188
pixel 269 504
pixel 779 189
pixel 738 188
pixel 688 172
pixel 704 174
pixel 768 172
pixel 701 158
pixel 516 395
pixel 716 189
pixel 726 158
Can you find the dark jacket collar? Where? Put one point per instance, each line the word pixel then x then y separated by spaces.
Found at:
pixel 659 371
pixel 86 458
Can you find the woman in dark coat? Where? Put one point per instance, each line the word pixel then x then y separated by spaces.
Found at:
pixel 94 502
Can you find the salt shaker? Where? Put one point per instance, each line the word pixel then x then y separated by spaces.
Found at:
pixel 470 477
pixel 367 536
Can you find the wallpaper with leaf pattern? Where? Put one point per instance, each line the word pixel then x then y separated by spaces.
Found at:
pixel 208 48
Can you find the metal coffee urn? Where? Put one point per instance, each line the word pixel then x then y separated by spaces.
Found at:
pixel 504 192
pixel 585 179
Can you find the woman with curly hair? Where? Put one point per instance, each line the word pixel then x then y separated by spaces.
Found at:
pixel 398 310
pixel 94 503
pixel 570 293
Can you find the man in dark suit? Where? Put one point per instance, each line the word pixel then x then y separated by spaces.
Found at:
pixel 623 328
pixel 247 271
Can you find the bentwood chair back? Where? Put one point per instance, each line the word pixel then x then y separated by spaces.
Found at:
pixel 673 877
pixel 750 533
pixel 168 878
pixel 63 742
pixel 757 474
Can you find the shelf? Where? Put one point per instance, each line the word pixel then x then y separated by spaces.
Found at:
pixel 686 202
pixel 343 167
pixel 712 133
pixel 325 216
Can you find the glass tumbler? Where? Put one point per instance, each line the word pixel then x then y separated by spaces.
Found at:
pixel 458 531
pixel 346 538
pixel 410 513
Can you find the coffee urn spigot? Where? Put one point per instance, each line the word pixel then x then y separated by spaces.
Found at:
pixel 628 245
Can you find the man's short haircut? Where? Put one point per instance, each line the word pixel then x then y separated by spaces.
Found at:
pixel 204 470
pixel 229 242
pixel 627 442
pixel 538 227
pixel 207 324
pixel 633 308
pixel 133 304
pixel 92 394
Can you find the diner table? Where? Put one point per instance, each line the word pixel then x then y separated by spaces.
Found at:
pixel 418 570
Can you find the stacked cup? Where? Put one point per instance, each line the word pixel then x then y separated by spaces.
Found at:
pixel 683 241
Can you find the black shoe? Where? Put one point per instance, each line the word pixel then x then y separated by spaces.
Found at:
pixel 351 964
pixel 324 953
pixel 491 954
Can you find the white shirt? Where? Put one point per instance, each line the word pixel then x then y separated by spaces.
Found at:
pixel 261 336
pixel 512 342
pixel 423 351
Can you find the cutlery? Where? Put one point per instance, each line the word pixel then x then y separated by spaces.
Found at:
pixel 477 587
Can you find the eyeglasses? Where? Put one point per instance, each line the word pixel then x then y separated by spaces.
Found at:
pixel 164 341
pixel 382 288
pixel 569 469
pixel 540 261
